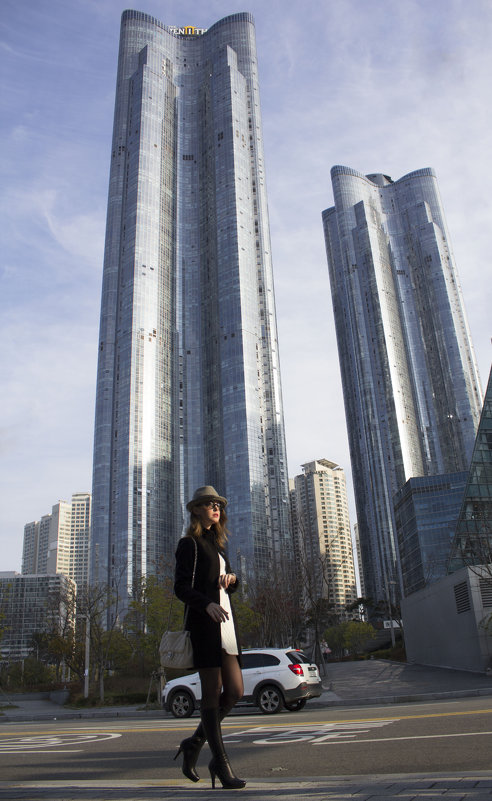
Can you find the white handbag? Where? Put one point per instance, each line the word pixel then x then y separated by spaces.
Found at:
pixel 175 649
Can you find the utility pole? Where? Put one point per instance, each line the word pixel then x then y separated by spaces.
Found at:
pixel 390 611
pixel 87 655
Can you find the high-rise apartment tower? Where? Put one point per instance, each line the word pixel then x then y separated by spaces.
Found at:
pixel 188 385
pixel 410 381
pixel 59 542
pixel 323 541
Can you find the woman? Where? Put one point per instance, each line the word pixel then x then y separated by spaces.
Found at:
pixel 204 581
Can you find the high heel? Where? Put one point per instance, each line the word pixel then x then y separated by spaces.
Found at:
pixel 222 769
pixel 219 765
pixel 212 776
pixel 190 748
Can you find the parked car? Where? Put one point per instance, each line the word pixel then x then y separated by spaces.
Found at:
pixel 274 678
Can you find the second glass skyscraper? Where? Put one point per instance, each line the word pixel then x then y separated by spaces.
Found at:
pixel 188 388
pixel 410 381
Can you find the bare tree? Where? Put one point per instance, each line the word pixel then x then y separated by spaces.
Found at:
pixel 152 608
pixel 100 606
pixel 56 639
pixel 277 611
pixel 317 571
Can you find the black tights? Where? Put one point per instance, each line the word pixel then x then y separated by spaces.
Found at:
pixel 222 686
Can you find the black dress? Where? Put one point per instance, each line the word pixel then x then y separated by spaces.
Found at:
pixel 205 632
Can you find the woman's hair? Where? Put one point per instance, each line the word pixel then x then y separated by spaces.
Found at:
pixel 195 529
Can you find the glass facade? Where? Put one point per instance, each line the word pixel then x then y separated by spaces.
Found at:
pixel 472 543
pixel 32 604
pixel 410 381
pixel 426 511
pixel 188 387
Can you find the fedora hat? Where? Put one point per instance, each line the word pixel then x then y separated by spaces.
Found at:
pixel 204 494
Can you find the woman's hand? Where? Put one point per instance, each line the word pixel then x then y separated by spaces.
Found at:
pixel 216 612
pixel 225 579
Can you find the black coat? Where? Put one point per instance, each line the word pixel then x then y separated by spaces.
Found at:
pixel 205 632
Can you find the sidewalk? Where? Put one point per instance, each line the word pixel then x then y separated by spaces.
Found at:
pixel 378 681
pixel 455 786
pixel 346 684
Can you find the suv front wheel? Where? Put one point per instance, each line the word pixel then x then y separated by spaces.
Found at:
pixel 181 704
pixel 270 699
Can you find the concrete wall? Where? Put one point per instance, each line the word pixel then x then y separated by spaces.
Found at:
pixel 437 633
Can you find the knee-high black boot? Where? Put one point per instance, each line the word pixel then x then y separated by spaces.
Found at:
pixel 190 747
pixel 219 765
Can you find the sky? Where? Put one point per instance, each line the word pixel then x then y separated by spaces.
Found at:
pixel 385 86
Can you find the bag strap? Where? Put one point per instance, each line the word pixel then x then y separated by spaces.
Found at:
pixel 185 617
pixel 192 585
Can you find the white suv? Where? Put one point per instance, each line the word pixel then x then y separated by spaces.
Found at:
pixel 273 678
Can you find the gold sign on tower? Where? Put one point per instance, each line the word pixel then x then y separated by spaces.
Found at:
pixel 187 30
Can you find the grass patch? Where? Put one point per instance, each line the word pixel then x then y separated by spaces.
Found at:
pixel 396 654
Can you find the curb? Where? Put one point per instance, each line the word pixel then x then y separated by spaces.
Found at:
pixel 113 712
pixel 405 699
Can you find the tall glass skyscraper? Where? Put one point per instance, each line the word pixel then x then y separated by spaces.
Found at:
pixel 410 381
pixel 188 386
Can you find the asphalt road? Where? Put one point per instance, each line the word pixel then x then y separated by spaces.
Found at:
pixel 412 738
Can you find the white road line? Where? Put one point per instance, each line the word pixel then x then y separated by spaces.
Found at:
pixel 13 751
pixel 54 742
pixel 312 733
pixel 397 739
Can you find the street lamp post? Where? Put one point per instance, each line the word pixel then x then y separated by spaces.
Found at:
pixel 390 611
pixel 87 655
